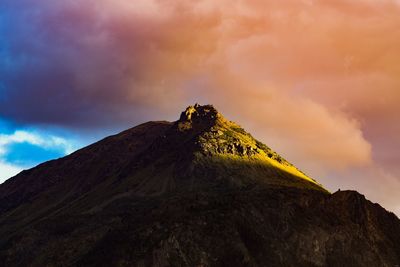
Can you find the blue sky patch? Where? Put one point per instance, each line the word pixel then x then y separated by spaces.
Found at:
pixel 26 155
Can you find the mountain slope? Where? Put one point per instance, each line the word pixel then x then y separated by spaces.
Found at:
pixel 197 192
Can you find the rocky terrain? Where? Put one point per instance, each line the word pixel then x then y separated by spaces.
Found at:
pixel 200 191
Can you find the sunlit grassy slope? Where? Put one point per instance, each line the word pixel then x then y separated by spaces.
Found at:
pixel 226 145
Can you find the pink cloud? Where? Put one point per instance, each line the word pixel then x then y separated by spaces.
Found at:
pixel 317 80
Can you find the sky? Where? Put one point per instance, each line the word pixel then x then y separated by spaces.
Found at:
pixel 318 81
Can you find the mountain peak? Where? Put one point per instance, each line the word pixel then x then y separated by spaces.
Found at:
pixel 199 117
pixel 199 113
pixel 214 138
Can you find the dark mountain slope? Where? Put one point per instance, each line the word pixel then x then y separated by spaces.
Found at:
pixel 197 192
pixel 60 181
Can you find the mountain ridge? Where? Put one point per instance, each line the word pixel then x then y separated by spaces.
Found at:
pixel 200 191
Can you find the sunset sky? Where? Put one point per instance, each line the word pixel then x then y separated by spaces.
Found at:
pixel 318 81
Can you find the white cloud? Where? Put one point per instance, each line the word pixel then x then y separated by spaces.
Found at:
pixel 46 141
pixel 7 171
pixel 33 138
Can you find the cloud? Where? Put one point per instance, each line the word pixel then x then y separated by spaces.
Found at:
pixel 82 65
pixel 21 136
pixel 92 63
pixel 316 80
pixel 24 149
pixel 18 137
pixel 7 171
pixel 306 132
pixel 87 63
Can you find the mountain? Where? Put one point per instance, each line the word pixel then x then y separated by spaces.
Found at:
pixel 200 191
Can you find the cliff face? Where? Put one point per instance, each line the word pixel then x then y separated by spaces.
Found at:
pixel 197 192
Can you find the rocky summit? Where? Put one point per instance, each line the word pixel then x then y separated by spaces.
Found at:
pixel 200 191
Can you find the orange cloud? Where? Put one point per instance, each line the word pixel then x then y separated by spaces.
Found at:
pixel 317 80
